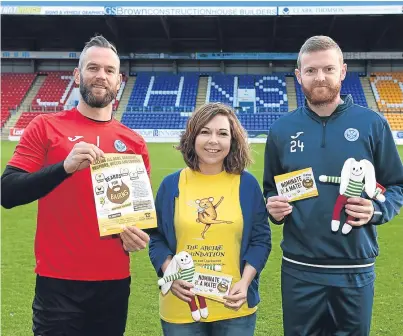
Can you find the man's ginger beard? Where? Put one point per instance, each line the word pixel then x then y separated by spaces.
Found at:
pixel 329 95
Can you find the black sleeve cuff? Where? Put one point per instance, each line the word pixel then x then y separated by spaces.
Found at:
pixel 276 221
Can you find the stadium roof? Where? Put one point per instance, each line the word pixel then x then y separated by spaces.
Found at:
pixel 202 33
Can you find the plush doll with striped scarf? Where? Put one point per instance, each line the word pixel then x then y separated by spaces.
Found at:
pixel 182 267
pixel 351 185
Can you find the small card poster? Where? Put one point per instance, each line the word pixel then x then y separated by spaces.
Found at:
pixel 296 185
pixel 211 284
pixel 122 193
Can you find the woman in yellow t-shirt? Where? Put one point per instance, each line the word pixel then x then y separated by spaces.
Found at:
pixel 214 212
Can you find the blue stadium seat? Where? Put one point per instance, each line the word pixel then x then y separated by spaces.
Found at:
pixel 271 91
pixel 221 89
pixel 151 120
pixel 158 100
pixel 164 92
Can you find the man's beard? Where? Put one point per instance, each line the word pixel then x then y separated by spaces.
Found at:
pixel 93 101
pixel 329 96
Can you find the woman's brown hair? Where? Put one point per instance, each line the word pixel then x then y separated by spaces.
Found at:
pixel 239 156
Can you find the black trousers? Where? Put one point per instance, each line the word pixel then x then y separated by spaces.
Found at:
pixel 80 308
pixel 315 310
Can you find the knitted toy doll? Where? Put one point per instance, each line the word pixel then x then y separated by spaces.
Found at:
pixel 351 185
pixel 182 267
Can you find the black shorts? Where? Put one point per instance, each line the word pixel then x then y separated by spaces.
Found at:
pixel 80 308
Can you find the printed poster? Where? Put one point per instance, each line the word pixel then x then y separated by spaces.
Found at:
pixel 122 193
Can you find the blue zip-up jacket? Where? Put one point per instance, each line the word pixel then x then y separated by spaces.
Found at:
pixel 302 139
pixel 256 235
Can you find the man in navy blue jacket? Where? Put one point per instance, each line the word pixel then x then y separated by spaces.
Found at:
pixel 328 274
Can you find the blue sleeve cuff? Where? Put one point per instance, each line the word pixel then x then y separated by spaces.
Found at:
pixel 254 263
pixel 377 216
pixel 164 257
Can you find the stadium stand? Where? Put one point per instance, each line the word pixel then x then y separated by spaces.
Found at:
pixel 388 92
pixel 176 120
pixel 14 87
pixel 221 88
pixel 54 91
pixel 258 121
pixel 271 91
pixel 164 92
pixel 165 96
pixel 395 120
pixel 25 118
pixel 154 120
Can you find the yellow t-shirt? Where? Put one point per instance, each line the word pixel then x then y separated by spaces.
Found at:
pixel 208 225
